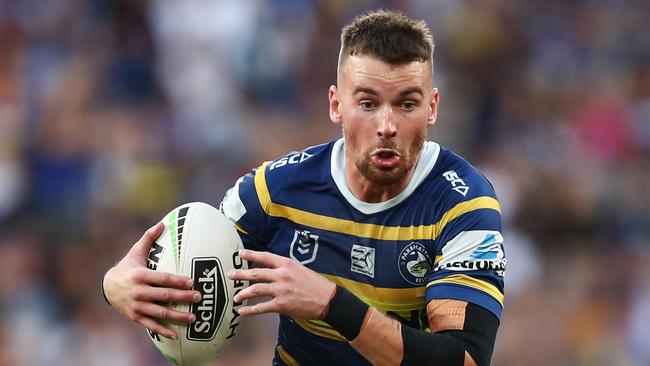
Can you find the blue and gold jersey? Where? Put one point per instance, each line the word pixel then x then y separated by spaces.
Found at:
pixel 440 238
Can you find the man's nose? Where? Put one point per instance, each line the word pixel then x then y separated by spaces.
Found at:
pixel 386 126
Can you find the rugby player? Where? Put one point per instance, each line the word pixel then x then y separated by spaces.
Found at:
pixel 378 248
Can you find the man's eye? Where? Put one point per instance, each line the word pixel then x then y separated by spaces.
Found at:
pixel 409 106
pixel 367 106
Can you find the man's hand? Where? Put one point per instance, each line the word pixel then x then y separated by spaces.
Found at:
pixel 295 289
pixel 137 291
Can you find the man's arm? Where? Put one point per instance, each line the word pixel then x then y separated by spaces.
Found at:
pixel 462 334
pixel 298 291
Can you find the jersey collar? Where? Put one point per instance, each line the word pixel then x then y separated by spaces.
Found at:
pixel 428 157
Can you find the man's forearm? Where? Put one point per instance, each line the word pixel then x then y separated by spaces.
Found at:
pixel 385 341
pixel 380 339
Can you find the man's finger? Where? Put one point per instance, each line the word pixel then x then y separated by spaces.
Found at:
pixel 157 311
pixel 166 279
pixel 167 295
pixel 156 327
pixel 142 246
pixel 265 259
pixel 255 290
pixel 260 308
pixel 255 274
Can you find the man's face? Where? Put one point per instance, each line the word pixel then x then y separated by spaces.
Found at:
pixel 384 110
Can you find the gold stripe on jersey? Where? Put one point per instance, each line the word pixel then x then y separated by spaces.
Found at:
pixel 241 229
pixel 384 298
pixel 465 280
pixel 399 300
pixel 260 186
pixel 364 230
pixel 286 357
pixel 319 328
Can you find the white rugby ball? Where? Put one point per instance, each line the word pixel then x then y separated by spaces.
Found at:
pixel 198 241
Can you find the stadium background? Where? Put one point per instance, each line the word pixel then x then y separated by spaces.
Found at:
pixel 114 112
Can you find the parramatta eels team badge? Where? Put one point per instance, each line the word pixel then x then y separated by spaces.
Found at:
pixel 415 263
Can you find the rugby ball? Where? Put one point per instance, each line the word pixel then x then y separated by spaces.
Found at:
pixel 199 242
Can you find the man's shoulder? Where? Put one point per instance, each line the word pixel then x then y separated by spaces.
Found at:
pixel 297 160
pixel 311 164
pixel 254 192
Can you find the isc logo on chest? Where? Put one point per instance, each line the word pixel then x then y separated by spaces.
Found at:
pixel 457 183
pixel 290 159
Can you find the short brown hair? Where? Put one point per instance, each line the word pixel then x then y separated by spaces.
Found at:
pixel 390 36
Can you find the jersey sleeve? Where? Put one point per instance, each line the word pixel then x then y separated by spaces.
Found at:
pixel 242 205
pixel 470 258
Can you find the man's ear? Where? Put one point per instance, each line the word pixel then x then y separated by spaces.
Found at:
pixel 433 106
pixel 335 105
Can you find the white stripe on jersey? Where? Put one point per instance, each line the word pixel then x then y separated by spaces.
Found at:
pixel 233 207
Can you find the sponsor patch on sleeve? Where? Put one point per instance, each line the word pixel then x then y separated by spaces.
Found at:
pixel 475 250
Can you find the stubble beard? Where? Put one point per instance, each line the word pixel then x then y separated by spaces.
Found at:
pixel 385 177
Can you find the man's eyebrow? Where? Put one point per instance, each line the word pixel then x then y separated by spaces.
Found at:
pixel 413 89
pixel 403 93
pixel 363 89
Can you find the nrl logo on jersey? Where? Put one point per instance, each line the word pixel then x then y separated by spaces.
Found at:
pixel 304 246
pixel 293 158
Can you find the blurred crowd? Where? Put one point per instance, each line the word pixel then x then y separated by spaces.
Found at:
pixel 112 112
